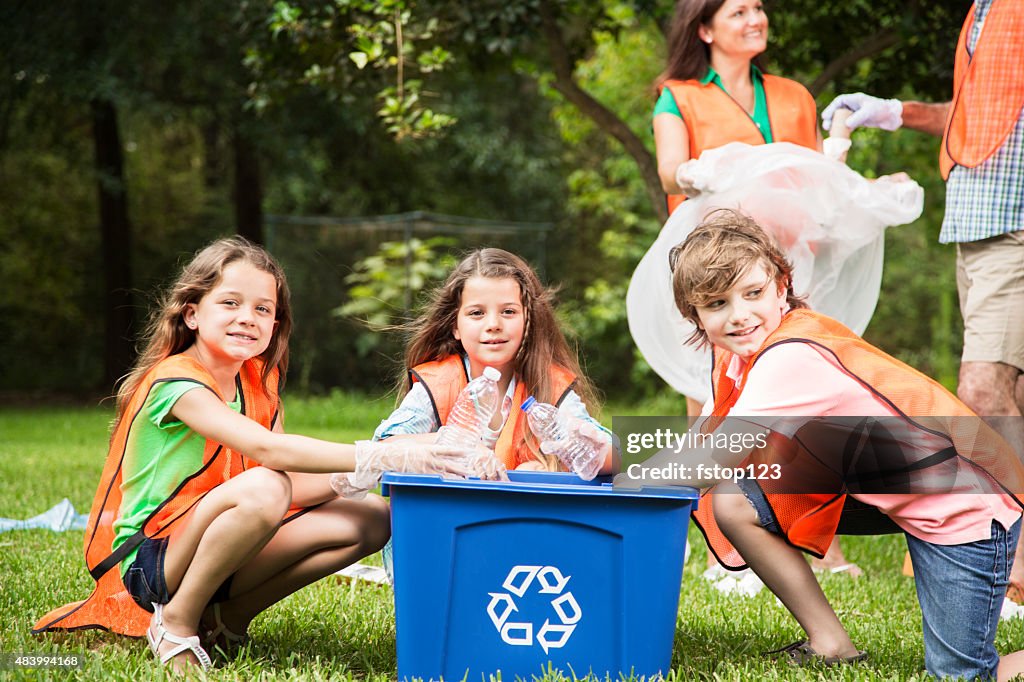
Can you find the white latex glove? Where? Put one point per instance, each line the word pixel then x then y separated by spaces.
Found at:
pixel 351 486
pixel 487 466
pixel 563 449
pixel 868 111
pixel 690 179
pixel 413 457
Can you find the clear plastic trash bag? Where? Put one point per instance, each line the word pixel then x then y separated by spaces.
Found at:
pixel 829 220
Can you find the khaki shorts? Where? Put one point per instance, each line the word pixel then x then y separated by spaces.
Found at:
pixel 990 279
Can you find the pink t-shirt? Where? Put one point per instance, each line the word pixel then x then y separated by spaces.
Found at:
pixel 798 379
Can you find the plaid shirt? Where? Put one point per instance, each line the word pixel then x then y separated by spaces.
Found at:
pixel 988 200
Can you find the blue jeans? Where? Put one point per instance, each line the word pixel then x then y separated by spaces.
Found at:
pixel 961 589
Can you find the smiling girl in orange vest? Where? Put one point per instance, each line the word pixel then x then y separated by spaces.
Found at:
pixel 201 520
pixel 493 311
pixel 780 364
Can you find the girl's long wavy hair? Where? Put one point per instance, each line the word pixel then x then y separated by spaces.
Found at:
pixel 431 336
pixel 717 254
pixel 166 333
pixel 689 57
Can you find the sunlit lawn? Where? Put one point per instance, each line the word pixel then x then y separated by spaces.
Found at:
pixel 339 630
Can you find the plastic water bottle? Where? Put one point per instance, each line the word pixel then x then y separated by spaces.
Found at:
pixel 581 455
pixel 472 411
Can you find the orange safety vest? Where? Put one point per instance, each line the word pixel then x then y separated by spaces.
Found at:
pixel 713 118
pixel 988 89
pixel 110 606
pixel 809 521
pixel 445 379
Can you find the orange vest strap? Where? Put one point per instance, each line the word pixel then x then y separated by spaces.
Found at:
pixel 444 381
pixel 988 92
pixel 714 119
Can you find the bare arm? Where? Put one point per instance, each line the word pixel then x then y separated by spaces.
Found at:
pixel 672 147
pixel 203 412
pixel 308 489
pixel 925 117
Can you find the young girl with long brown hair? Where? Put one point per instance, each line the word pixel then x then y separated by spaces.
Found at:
pixel 202 519
pixel 493 311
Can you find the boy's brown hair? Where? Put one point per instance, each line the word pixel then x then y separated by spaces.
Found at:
pixel 716 255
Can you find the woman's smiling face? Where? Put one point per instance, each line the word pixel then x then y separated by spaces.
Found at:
pixel 739 28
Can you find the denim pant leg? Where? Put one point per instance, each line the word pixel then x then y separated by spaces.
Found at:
pixel 961 589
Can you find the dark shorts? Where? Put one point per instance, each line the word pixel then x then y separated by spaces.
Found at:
pixel 144 578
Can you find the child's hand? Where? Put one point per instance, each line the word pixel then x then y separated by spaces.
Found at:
pixel 351 487
pixel 580 430
pixel 487 466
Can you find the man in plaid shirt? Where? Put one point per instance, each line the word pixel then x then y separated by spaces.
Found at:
pixel 982 159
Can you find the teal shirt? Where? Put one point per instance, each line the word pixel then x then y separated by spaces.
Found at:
pixel 666 103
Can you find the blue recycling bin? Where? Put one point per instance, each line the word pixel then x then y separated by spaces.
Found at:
pixel 507 578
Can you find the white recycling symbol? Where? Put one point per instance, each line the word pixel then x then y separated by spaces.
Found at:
pixel 551 581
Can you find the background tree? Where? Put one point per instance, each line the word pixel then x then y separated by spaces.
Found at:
pixel 230 115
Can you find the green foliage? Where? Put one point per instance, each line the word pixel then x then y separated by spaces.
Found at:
pixel 329 46
pixel 608 199
pixel 384 287
pixel 335 84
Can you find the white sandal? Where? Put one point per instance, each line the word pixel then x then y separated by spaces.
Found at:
pixel 184 643
pixel 221 630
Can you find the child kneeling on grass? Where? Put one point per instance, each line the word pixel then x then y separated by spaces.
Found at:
pixel 200 521
pixel 912 452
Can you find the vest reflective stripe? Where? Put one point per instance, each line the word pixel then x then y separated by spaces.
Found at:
pixel 809 521
pixel 988 89
pixel 445 379
pixel 713 118
pixel 110 606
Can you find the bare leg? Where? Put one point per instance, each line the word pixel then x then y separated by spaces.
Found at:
pixel 311 547
pixel 784 570
pixel 228 526
pixel 835 559
pixel 994 389
pixel 236 530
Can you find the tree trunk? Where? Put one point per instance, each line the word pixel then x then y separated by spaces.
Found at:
pixel 116 241
pixel 248 191
pixel 565 83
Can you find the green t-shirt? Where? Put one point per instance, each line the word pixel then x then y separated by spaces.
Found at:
pixel 666 103
pixel 160 453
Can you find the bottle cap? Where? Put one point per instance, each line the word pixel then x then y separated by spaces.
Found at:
pixel 527 404
pixel 492 374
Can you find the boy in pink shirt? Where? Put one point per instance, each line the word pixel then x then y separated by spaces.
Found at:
pixel 819 388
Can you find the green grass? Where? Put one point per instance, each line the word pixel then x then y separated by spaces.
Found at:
pixel 336 630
